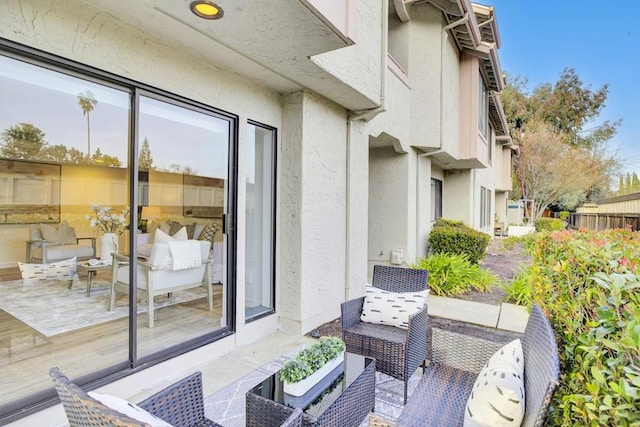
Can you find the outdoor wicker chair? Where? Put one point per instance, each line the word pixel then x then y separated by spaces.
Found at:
pixel 180 404
pixel 441 396
pixel 398 352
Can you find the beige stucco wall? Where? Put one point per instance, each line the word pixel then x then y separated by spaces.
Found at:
pixel 360 65
pixel 312 216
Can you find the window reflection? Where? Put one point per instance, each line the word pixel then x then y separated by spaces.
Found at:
pixel 63 149
pixel 183 184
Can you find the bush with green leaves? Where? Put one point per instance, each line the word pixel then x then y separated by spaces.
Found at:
pixel 549 224
pixel 453 237
pixel 588 283
pixel 453 274
pixel 310 359
pixel 519 290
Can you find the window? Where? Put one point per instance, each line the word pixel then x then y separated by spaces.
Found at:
pixel 260 216
pixel 483 107
pixel 485 207
pixel 65 152
pixel 436 199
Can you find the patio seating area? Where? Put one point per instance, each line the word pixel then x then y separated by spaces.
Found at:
pixel 226 381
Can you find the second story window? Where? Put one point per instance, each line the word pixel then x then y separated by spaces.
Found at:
pixel 483 108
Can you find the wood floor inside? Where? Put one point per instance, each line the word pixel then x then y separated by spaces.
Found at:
pixel 26 355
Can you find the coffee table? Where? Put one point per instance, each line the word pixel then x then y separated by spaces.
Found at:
pixel 91 270
pixel 345 402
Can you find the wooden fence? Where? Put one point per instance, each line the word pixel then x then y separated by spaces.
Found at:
pixel 604 221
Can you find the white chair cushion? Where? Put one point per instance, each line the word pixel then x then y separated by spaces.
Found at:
pixel 391 308
pixel 498 398
pixel 129 409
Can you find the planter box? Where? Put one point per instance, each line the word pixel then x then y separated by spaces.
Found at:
pixel 519 230
pixel 303 392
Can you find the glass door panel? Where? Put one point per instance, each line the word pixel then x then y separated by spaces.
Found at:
pixel 63 153
pixel 183 169
pixel 259 265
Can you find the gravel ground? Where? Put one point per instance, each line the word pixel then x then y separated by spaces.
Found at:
pixel 503 262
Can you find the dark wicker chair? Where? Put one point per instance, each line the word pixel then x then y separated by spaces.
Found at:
pixel 441 395
pixel 180 404
pixel 398 352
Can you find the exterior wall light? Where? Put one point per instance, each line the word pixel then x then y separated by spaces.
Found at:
pixel 206 9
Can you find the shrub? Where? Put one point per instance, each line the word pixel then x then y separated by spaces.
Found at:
pixel 451 275
pixel 443 222
pixel 588 284
pixel 549 224
pixel 519 291
pixel 458 239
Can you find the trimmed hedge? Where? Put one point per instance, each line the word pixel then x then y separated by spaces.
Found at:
pixel 453 237
pixel 589 285
pixel 549 224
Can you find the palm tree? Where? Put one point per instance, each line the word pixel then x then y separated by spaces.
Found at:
pixel 87 102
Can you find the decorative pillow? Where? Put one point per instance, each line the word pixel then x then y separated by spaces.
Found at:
pixel 498 398
pixel 145 250
pixel 61 270
pixel 176 226
pixel 391 308
pixel 509 357
pixel 68 233
pixel 62 234
pixel 129 409
pixel 161 236
pixel 208 232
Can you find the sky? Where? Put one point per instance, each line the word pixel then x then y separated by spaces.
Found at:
pixel 601 41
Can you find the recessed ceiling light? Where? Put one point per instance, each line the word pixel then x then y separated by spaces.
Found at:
pixel 206 9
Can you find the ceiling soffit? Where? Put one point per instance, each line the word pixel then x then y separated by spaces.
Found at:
pixel 269 42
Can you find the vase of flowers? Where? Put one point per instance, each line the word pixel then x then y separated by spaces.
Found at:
pixel 110 224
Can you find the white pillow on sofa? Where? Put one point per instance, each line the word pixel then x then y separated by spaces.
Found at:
pixel 498 397
pixel 391 308
pixel 129 409
pixel 161 236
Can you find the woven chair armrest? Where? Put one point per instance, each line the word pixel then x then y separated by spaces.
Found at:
pixel 461 351
pixel 376 420
pixel 180 404
pixel 294 420
pixel 417 331
pixel 351 311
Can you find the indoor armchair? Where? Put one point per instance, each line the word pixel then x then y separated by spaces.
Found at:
pixel 48 243
pixel 159 274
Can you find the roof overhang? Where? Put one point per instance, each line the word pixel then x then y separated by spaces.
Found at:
pixel 498 118
pixel 272 43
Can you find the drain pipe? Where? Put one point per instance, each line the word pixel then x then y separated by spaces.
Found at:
pixel 366 115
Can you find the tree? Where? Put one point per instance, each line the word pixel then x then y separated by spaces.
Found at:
pixel 552 171
pixel 145 159
pixel 87 103
pixel 23 141
pixel 635 184
pixel 559 114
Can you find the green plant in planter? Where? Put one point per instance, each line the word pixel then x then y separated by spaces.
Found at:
pixel 312 358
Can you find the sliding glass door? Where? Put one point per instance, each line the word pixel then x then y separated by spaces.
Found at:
pixel 70 205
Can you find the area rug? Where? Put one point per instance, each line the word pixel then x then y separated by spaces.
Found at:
pixel 227 406
pixel 51 308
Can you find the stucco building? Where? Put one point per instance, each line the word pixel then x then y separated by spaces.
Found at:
pixel 319 138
